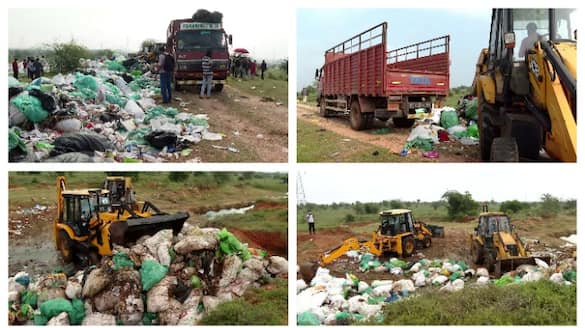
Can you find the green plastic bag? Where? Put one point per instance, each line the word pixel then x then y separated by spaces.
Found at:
pixel 372 300
pixel 151 273
pixel 344 317
pixel 471 110
pixel 365 261
pixel 137 135
pixel 449 119
pixel 27 311
pixel 308 319
pixel 159 111
pixel 462 265
pixel 229 244
pixel 14 141
pixel 122 260
pixel 420 143
pixel 195 282
pixel 29 297
pixel 77 313
pixel 55 306
pixel 30 106
pixel 454 276
pixel 398 263
pixel 504 280
pixel 114 65
pixel 148 318
pixel 570 275
pixel 40 320
pixel 472 131
pixel 85 82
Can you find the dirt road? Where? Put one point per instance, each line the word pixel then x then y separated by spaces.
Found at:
pixel 256 127
pixel 451 151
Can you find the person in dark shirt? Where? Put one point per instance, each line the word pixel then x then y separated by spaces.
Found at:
pixel 207 70
pixel 262 69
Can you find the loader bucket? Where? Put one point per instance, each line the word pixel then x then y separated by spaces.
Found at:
pixel 138 227
pixel 510 264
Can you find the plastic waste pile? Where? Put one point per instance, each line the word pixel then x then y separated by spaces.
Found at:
pixel 337 301
pixel 161 279
pixel 108 113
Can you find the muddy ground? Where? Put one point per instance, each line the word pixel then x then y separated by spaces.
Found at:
pixel 451 151
pixel 257 128
pixel 455 245
pixel 32 245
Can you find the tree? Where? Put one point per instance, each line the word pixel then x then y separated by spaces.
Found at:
pixel 550 206
pixel 147 43
pixel 371 208
pixel 65 56
pixel 396 203
pixel 349 218
pixel 459 205
pixel 359 208
pixel 511 206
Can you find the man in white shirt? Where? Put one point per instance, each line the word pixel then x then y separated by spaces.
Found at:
pixel 311 221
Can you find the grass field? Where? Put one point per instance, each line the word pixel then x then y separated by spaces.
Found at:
pixel 455 94
pixel 259 306
pixel 274 86
pixel 191 192
pixel 266 219
pixel 315 140
pixel 535 303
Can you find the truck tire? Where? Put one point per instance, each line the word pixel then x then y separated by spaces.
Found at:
pixel 486 137
pixel 504 150
pixel 357 119
pixel 218 87
pixel 402 122
pixel 65 247
pixel 322 108
pixel 427 242
pixel 408 246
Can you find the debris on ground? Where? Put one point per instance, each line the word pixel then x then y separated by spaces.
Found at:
pixel 105 113
pixel 336 300
pixel 161 279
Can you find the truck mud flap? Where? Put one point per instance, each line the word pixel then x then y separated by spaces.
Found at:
pixel 506 265
pixel 138 227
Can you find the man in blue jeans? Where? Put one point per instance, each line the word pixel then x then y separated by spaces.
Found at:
pixel 166 67
pixel 207 70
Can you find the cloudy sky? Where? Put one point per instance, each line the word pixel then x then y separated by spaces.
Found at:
pixel 124 28
pixel 319 29
pixel 427 182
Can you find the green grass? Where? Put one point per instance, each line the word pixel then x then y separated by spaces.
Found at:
pixel 259 306
pixel 536 303
pixel 265 219
pixel 274 86
pixel 316 145
pixel 455 94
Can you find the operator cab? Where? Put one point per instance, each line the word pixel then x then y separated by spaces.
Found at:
pixel 493 222
pixel 81 208
pixel 394 222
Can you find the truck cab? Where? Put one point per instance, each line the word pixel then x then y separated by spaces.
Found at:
pixel 188 41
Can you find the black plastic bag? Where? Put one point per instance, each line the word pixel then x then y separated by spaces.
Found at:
pixel 161 139
pixel 47 101
pixel 81 142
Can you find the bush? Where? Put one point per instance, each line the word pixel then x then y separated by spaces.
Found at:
pixel 178 176
pixel 396 203
pixel 349 218
pixel 512 206
pixel 550 206
pixel 460 205
pixel 65 56
pixel 371 208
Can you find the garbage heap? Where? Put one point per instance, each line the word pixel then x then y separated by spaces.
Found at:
pixel 446 124
pixel 107 112
pixel 161 279
pixel 335 301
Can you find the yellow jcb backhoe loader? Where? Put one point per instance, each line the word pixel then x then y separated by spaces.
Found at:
pixel 397 233
pixel 87 224
pixel 495 245
pixel 527 90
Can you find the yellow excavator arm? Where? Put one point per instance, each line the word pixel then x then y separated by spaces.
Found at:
pixel 351 244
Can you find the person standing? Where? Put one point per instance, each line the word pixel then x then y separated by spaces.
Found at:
pixel 253 69
pixel 15 68
pixel 262 69
pixel 30 68
pixel 311 221
pixel 206 66
pixel 38 69
pixel 244 68
pixel 166 67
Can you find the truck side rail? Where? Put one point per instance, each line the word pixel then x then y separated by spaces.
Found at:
pixel 368 38
pixel 432 55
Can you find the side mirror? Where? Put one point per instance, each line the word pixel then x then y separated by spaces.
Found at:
pixel 230 39
pixel 316 73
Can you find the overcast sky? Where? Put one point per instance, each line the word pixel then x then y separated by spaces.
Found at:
pixel 124 28
pixel 427 182
pixel 318 29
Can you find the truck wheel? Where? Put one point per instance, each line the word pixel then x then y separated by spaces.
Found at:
pixel 427 242
pixel 65 247
pixel 486 137
pixel 322 110
pixel 402 122
pixel 357 120
pixel 408 246
pixel 504 150
pixel 218 87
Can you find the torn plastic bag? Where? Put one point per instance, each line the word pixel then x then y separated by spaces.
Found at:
pixel 151 273
pixel 308 318
pixel 133 109
pixel 30 106
pixel 161 139
pixel 47 101
pixel 69 125
pixel 81 142
pixel 71 158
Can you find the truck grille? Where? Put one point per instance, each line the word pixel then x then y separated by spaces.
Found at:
pixel 194 65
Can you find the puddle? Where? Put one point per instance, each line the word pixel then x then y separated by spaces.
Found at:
pixel 212 215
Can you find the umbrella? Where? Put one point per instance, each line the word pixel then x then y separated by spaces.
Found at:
pixel 241 50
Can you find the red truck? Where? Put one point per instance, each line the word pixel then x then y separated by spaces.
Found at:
pixel 363 80
pixel 188 41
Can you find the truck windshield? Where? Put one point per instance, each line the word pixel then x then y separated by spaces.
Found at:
pixel 87 209
pixel 531 25
pixel 200 39
pixel 498 223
